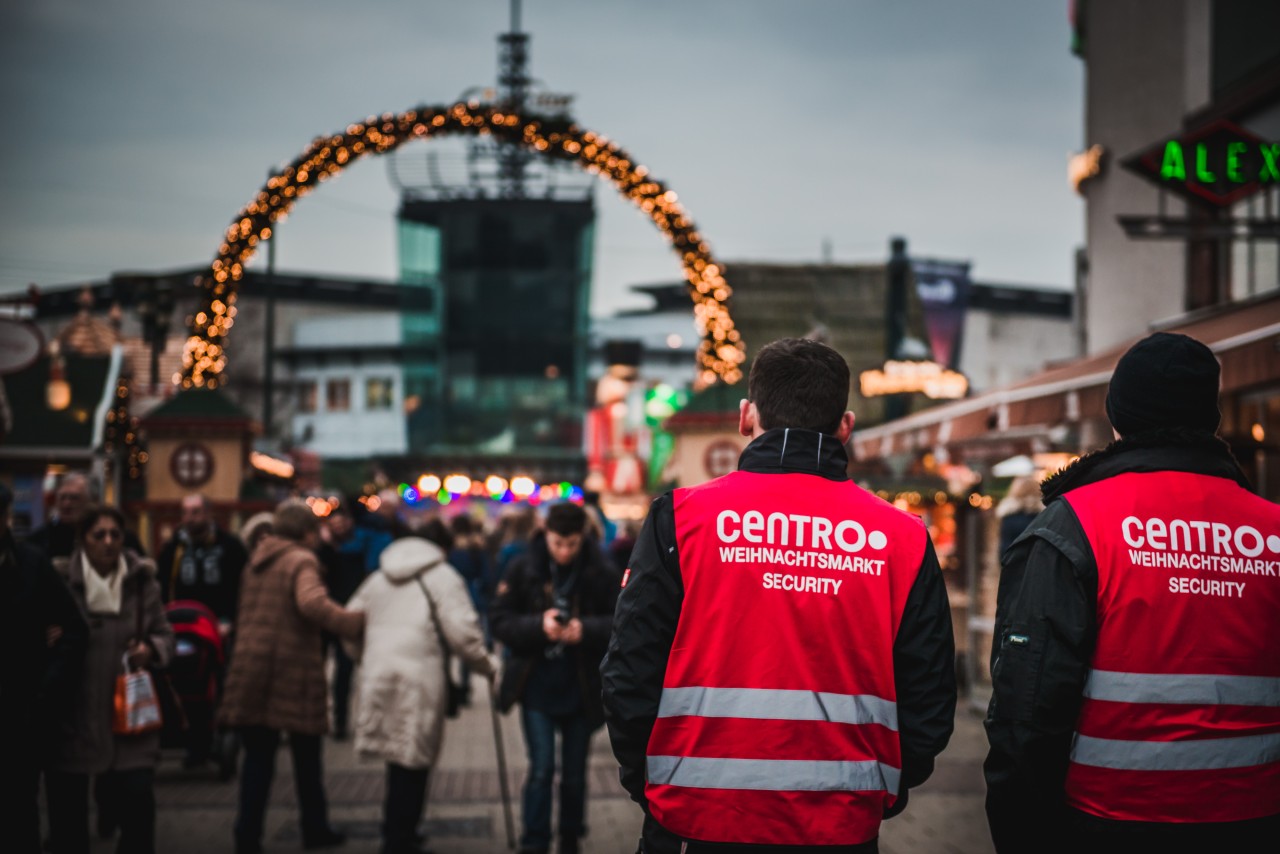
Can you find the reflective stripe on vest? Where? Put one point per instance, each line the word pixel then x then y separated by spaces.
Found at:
pixel 1180 719
pixel 774 704
pixel 773 775
pixel 1199 755
pixel 1199 689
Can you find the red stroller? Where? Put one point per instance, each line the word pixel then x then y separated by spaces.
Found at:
pixel 199 662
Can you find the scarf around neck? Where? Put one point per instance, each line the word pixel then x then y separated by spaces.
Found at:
pixel 102 595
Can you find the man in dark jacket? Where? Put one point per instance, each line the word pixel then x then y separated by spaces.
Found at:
pixel 1136 701
pixel 785 689
pixel 348 554
pixel 202 563
pixel 43 635
pixel 554 611
pixel 57 538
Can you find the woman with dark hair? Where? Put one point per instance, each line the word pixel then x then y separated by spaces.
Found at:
pixel 118 595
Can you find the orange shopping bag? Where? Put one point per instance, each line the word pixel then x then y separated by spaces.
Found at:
pixel 137 706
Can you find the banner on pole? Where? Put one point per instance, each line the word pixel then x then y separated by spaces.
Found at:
pixel 943 288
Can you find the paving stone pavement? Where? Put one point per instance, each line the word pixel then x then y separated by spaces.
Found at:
pixel 464 813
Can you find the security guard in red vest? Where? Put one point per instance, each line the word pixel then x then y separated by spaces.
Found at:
pixel 1137 677
pixel 781 669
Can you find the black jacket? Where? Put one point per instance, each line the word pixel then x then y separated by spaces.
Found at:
pixel 207 572
pixel 515 618
pixel 1049 593
pixel 649 609
pixel 38 681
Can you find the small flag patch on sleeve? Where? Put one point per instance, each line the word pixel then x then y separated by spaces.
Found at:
pixel 626 576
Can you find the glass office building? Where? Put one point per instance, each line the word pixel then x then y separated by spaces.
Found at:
pixel 499 368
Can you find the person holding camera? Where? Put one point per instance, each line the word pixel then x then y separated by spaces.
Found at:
pixel 554 612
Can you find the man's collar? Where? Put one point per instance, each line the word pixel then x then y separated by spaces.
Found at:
pixel 791 450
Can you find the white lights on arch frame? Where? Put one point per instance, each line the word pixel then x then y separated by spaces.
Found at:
pixel 721 352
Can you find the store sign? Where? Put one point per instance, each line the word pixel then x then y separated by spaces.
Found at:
pixel 721 458
pixel 191 465
pixel 1218 165
pixel 927 378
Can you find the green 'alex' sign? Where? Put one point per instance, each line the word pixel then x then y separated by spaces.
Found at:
pixel 1219 164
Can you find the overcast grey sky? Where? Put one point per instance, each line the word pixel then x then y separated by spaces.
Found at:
pixel 137 128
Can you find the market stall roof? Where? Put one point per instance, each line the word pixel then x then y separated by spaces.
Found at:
pixel 1245 336
pixel 206 411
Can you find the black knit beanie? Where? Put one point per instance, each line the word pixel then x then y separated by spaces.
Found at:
pixel 1165 380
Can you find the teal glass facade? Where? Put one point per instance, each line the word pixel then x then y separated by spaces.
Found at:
pixel 504 358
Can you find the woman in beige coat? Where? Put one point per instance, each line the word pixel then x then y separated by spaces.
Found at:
pixel 415 605
pixel 276 678
pixel 120 599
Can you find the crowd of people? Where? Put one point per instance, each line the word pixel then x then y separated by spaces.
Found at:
pixel 751 700
pixel 288 594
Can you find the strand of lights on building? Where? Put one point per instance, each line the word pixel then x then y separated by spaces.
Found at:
pixel 123 430
pixel 721 352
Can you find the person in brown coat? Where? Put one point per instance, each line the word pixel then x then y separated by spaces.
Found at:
pixel 276 678
pixel 118 596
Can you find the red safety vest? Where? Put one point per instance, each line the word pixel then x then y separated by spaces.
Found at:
pixel 1181 716
pixel 778 719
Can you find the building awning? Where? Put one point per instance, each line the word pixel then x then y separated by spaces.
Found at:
pixel 1245 336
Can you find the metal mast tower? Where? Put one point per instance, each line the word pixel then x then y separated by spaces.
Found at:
pixel 513 94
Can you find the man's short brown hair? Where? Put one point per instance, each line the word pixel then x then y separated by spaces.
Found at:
pixel 796 382
pixel 566 519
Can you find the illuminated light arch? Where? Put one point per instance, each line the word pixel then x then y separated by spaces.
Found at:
pixel 721 352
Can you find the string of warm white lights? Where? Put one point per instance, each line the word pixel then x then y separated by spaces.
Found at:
pixel 123 431
pixel 721 352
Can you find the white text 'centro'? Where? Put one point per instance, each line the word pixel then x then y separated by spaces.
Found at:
pixel 1181 535
pixel 785 529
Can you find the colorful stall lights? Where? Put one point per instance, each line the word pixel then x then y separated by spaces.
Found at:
pixel 494 487
pixel 457 484
pixel 523 487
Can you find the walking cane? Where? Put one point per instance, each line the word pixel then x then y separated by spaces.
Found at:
pixel 502 768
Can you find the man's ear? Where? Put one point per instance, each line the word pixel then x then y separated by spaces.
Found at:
pixel 748 417
pixel 846 428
